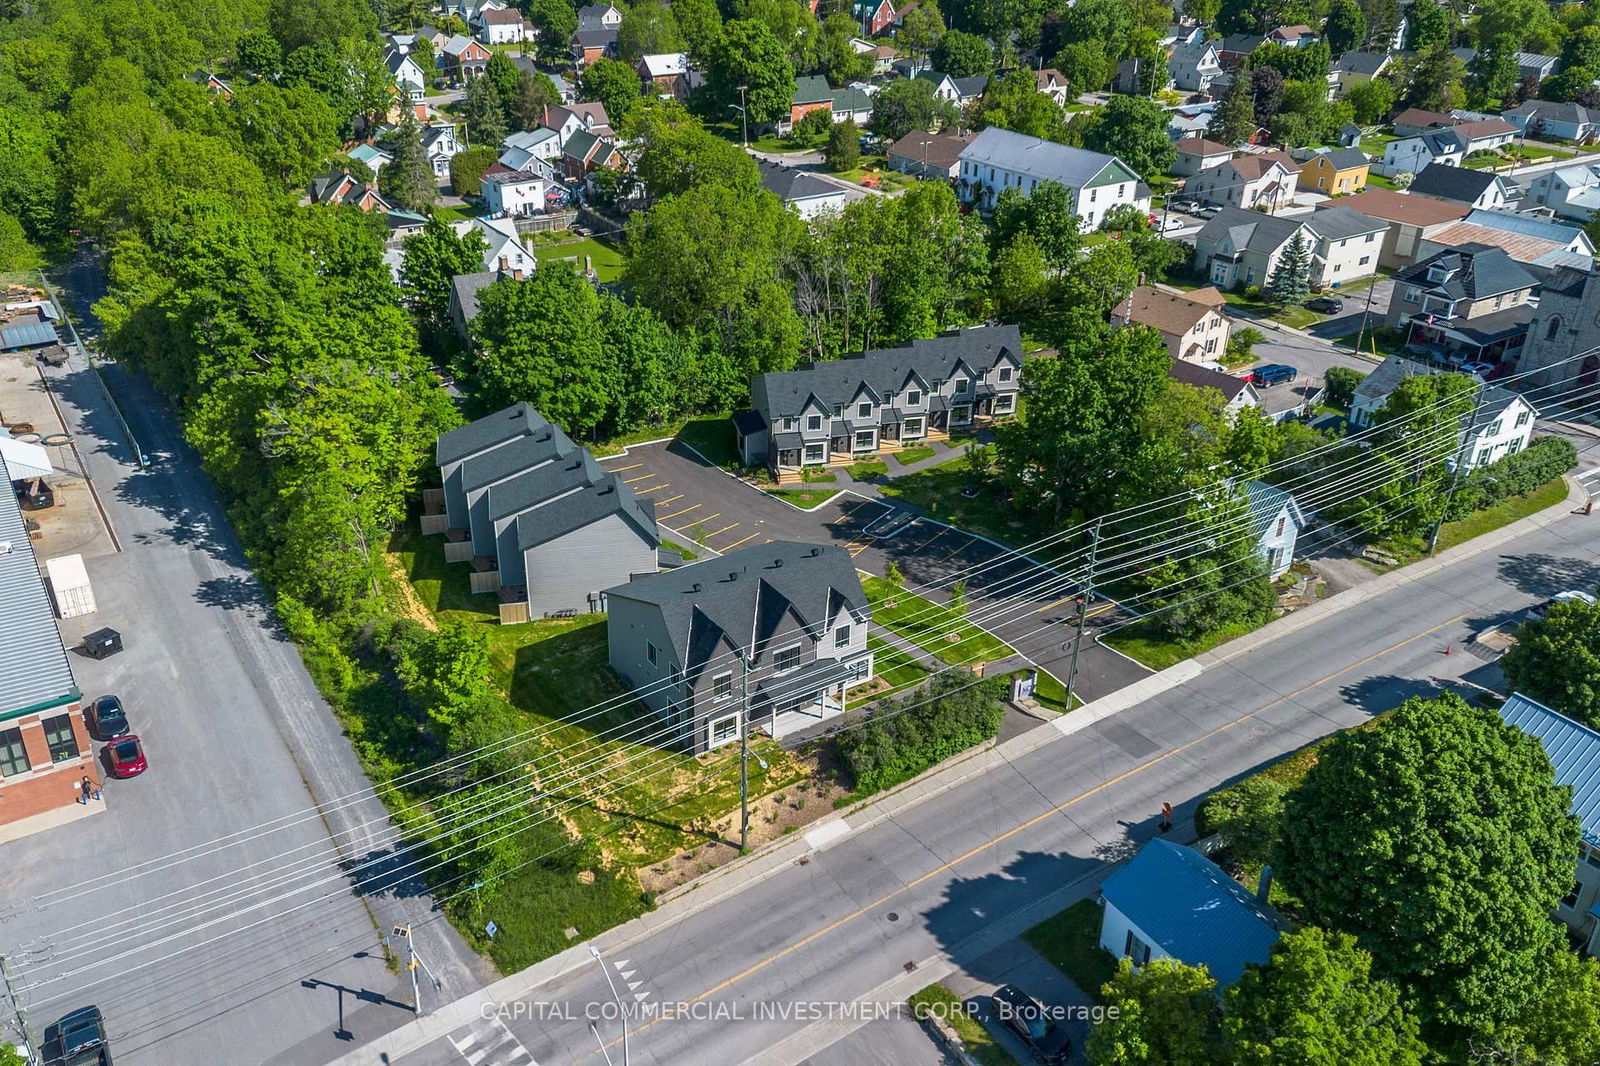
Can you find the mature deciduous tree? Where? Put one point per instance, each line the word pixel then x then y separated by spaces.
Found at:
pixel 1165 1016
pixel 1134 129
pixel 1556 660
pixel 613 83
pixel 908 104
pixel 1440 840
pixel 747 53
pixel 432 258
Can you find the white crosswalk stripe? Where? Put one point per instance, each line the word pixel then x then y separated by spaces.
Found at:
pixel 489 1043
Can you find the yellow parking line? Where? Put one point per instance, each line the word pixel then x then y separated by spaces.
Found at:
pixel 858 551
pixel 969 543
pixel 709 517
pixel 620 469
pixel 641 477
pixel 736 543
pixel 942 531
pixel 719 532
pixel 670 499
pixel 1053 606
pixel 652 488
pixel 675 514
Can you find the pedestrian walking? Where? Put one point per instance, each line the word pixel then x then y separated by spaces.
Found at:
pixel 1166 816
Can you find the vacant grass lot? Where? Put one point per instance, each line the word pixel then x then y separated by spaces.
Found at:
pixel 607 257
pixel 1410 549
pixel 1071 941
pixel 938 491
pixel 587 728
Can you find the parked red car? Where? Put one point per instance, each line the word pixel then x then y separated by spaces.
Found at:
pixel 125 756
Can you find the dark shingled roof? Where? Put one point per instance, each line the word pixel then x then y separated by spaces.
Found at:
pixel 1203 377
pixel 1479 271
pixel 544 484
pixel 789 184
pixel 1368 63
pixel 523 454
pixel 505 425
pixel 580 509
pixel 468 286
pixel 742 596
pixel 836 381
pixel 1452 183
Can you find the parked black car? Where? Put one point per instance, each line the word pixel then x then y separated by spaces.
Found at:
pixel 78 1039
pixel 1027 1017
pixel 1328 305
pixel 107 719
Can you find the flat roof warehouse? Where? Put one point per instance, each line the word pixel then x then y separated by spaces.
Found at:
pixel 34 673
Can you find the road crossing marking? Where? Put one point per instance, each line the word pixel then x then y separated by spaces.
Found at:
pixel 489 1043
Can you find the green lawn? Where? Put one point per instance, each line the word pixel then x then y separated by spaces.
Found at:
pixel 907 456
pixel 819 477
pixel 608 258
pixel 867 469
pixel 1374 178
pixel 1071 941
pixel 456 212
pixel 1149 644
pixel 888 180
pixel 554 671
pixel 687 553
pixel 713 437
pixel 1410 549
pixel 938 1001
pixel 1050 691
pixel 809 499
pixel 1294 315
pixel 930 626
pixel 895 668
pixel 938 491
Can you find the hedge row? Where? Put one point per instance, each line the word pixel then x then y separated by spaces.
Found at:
pixel 1546 459
pixel 907 735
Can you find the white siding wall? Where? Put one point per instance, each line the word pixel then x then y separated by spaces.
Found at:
pixel 1114 927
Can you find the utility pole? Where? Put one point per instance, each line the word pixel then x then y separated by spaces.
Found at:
pixel 1364 316
pixel 1462 459
pixel 1083 611
pixel 21 1022
pixel 744 753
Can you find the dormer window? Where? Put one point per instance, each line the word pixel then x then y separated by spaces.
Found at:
pixel 1005 373
pixel 864 409
pixel 961 386
pixel 913 397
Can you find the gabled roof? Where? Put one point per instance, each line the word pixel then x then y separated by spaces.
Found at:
pixel 1553 111
pixel 459 44
pixel 1253 167
pixel 544 484
pixel 811 90
pixel 1193 53
pixel 1478 271
pixel 1193 910
pixel 1453 183
pixel 1266 502
pixel 490 431
pixel 664 64
pixel 973 86
pixel 1251 230
pixel 1240 42
pixel 1377 385
pixel 1573 750
pixel 741 596
pixel 599 37
pixel 1344 158
pixel 1485 128
pixel 791 184
pixel 1549 229
pixel 578 510
pixel 524 453
pixel 1416 116
pixel 1338 222
pixel 1369 63
pixel 1200 146
pixel 835 381
pixel 942 149
pixel 1040 159
pixel 1164 311
pixel 1203 377
pixel 851 99
pixel 34 672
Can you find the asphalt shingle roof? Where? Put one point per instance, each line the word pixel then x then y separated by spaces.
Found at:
pixel 1574 751
pixel 1369 63
pixel 34 672
pixel 1039 159
pixel 1203 377
pixel 1479 271
pixel 518 420
pixel 522 454
pixel 836 381
pixel 1250 229
pixel 1337 222
pixel 742 595
pixel 1193 910
pixel 790 184
pixel 1452 183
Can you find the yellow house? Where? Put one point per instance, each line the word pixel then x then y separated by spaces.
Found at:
pixel 1337 173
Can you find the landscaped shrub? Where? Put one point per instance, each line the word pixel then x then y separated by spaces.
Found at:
pixel 905 736
pixel 1342 382
pixel 1544 460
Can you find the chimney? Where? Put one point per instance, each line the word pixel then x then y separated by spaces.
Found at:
pixel 695 587
pixel 1264 888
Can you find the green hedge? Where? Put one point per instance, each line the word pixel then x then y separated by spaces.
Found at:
pixel 1516 475
pixel 905 736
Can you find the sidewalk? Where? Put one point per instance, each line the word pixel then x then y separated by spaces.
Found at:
pixel 745 873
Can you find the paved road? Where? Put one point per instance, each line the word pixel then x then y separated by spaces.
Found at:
pixel 946 880
pixel 237 736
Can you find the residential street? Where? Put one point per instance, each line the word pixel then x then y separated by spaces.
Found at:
pixel 238 737
pixel 896 904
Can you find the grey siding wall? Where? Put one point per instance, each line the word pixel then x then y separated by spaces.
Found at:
pixel 508 553
pixel 629 625
pixel 455 498
pixel 755 447
pixel 563 574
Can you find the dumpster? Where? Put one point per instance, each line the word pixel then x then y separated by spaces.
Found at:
pixel 101 643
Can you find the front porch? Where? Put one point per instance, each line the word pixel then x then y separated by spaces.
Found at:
pixel 1491 338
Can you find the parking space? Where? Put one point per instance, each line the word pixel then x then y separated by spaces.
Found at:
pixel 1028 605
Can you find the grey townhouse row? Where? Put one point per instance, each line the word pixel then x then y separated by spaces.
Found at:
pixel 544 527
pixel 777 632
pixel 838 411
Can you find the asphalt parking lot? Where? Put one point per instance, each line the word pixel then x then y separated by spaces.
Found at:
pixel 1026 605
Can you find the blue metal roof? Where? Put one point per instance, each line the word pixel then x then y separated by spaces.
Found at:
pixel 1189 906
pixel 26 335
pixel 1574 751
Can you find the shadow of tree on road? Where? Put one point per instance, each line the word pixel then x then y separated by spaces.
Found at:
pixel 1546 575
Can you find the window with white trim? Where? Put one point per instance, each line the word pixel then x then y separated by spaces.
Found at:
pixel 722 687
pixel 864 410
pixel 1136 949
pixel 724 729
pixel 913 397
pixel 786 660
pixel 841 636
pixel 1005 373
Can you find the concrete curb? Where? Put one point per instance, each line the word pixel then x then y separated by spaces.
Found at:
pixel 728 880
